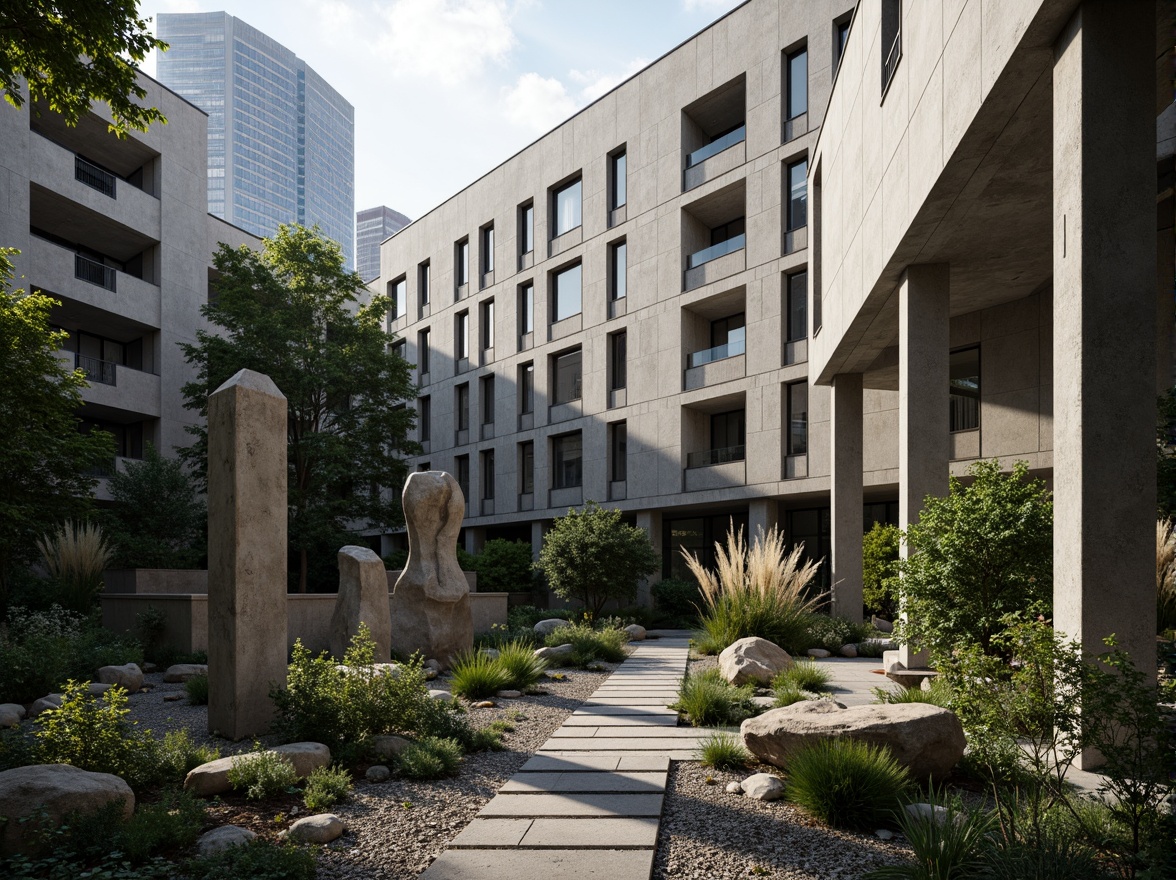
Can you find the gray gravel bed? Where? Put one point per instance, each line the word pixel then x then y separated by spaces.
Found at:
pixel 155 713
pixel 708 834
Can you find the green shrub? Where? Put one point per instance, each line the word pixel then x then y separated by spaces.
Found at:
pixel 197 689
pixel 788 692
pixel 476 676
pixel 76 555
pixel 807 675
pixel 96 647
pixel 173 823
pixel 505 566
pixel 939 694
pixel 724 751
pixel 707 700
pixel 257 860
pixel 526 616
pixel 262 774
pixel 831 633
pixel 325 787
pixel 430 758
pixel 677 599
pixel 880 552
pixel 17 749
pixel 178 754
pixel 588 644
pixel 397 560
pixel 517 658
pixel 502 634
pixel 845 783
pixel 1048 857
pixel 150 627
pixel 947 849
pixel 489 738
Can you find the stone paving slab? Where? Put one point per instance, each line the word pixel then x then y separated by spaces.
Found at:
pixel 662 721
pixel 595 763
pixel 592 833
pixel 624 710
pixel 592 805
pixel 631 702
pixel 544 864
pixel 678 754
pixel 611 744
pixel 580 783
pixel 653 730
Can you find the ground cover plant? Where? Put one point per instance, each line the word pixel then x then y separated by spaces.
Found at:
pixel 937 693
pixel 707 700
pixel 808 675
pixel 724 751
pixel 831 633
pixel 588 644
pixel 475 675
pixel 846 783
pixel 262 773
pixel 325 787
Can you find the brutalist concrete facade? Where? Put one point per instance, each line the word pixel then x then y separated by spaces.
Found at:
pixel 117 231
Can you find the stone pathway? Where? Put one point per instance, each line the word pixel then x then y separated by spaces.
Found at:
pixel 588 804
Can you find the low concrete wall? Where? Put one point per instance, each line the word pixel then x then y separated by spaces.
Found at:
pixel 155 580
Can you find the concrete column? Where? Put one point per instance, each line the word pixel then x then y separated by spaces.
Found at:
pixel 247 548
pixel 538 530
pixel 651 522
pixel 846 496
pixel 762 513
pixel 1104 263
pixel 475 539
pixel 923 382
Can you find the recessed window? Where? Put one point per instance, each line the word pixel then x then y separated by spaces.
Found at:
pixel 423 350
pixel 526 388
pixel 618 452
pixel 462 262
pixel 527 308
pixel 728 436
pixel 462 466
pixel 797 194
pixel 487 322
pixel 567 292
pixel 618 185
pixel 619 270
pixel 461 334
pixel 798 418
pixel 840 38
pixel 566 205
pixel 487 249
pixel 567 461
pixel 425 418
pixel 965 389
pixel 486 405
pixel 488 475
pixel 798 83
pixel 797 292
pixel 399 347
pixel 566 376
pixel 423 282
pixel 891 33
pixel 526 468
pixel 398 294
pixel 527 228
pixel 461 403
pixel 618 360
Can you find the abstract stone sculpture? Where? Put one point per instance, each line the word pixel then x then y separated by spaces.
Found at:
pixel 431 601
pixel 363 598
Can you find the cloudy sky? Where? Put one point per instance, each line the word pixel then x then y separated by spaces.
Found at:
pixel 444 90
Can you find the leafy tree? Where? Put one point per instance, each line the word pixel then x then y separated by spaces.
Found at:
pixel 880 569
pixel 983 552
pixel 1166 454
pixel 46 464
pixel 592 557
pixel 74 52
pixel 505 566
pixel 157 519
pixel 294 313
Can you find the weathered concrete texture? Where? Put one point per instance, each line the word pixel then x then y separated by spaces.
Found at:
pixel 247 549
pixel 462 864
pixel 846 496
pixel 431 604
pixel 363 598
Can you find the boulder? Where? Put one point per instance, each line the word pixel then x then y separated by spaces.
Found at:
pixel 10 714
pixel 378 773
pixel 362 598
pixel 753 660
pixel 763 787
pixel 431 600
pixel 926 739
pixel 443 696
pixel 492 653
pixel 213 778
pixel 97 689
pixel 49 701
pixel 927 812
pixel 484 704
pixel 636 632
pixel 547 627
pixel 387 747
pixel 322 828
pixel 849 650
pixel 553 653
pixel 128 676
pixel 54 790
pixel 181 672
pixel 734 788
pixel 884 626
pixel 219 839
pixel 433 665
pixel 818 653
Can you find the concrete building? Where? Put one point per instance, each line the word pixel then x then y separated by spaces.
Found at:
pixel 372 227
pixel 118 232
pixel 281 141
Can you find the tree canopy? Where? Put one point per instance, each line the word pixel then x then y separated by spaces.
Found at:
pixel 294 313
pixel 46 465
pixel 71 53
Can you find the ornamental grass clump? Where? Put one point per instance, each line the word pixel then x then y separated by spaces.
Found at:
pixel 76 555
pixel 807 675
pixel 846 783
pixel 431 758
pixel 723 751
pixel 707 700
pixel 944 846
pixel 938 693
pixel 1165 575
pixel 476 675
pixel 760 592
pixel 517 658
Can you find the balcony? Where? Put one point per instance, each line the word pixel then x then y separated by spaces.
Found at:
pixel 715 262
pixel 94 177
pixel 56 271
pixel 712 457
pixel 95 273
pixel 715 469
pixel 96 371
pixel 715 159
pixel 723 363
pixel 714 132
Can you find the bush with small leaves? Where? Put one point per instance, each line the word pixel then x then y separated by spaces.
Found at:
pixel 707 700
pixel 807 675
pixel 262 774
pixel 197 688
pixel 325 787
pixel 178 754
pixel 475 675
pixel 518 660
pixel 489 738
pixel 846 783
pixel 724 751
pixel 430 758
pixel 831 633
pixel 588 644
pixel 256 860
pixel 172 823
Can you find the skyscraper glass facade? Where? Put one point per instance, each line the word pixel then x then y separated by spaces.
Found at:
pixel 372 226
pixel 281 141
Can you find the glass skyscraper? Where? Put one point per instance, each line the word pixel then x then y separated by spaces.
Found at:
pixel 372 226
pixel 281 141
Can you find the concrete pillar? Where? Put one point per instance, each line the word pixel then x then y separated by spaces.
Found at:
pixel 538 530
pixel 762 514
pixel 846 496
pixel 475 540
pixel 247 548
pixel 651 522
pixel 923 383
pixel 1104 369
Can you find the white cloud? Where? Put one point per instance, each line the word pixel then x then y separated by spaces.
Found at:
pixel 447 40
pixel 710 5
pixel 537 103
pixel 593 83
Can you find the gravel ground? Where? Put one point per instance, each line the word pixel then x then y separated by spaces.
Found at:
pixel 707 833
pixel 154 711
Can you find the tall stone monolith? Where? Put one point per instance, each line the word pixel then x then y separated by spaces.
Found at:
pixel 246 553
pixel 431 600
pixel 363 598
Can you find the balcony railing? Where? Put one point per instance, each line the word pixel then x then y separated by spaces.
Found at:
pixel 94 272
pixel 100 371
pixel 709 457
pixel 93 176
pixel 892 59
pixel 732 348
pixel 732 244
pixel 716 146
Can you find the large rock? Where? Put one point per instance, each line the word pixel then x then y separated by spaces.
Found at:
pixel 322 828
pixel 926 739
pixel 54 790
pixel 213 778
pixel 636 632
pixel 10 714
pixel 47 702
pixel 182 672
pixel 763 787
pixel 431 601
pixel 128 676
pixel 547 627
pixel 219 839
pixel 363 598
pixel 753 660
pixel 556 652
pixel 387 747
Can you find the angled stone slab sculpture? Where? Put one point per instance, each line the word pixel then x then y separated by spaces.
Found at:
pixel 431 600
pixel 246 553
pixel 363 598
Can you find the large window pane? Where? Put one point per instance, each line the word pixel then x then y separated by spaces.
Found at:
pixel 463 261
pixel 797 306
pixel 462 335
pixel 527 309
pixel 398 291
pixel 567 377
pixel 567 292
pixel 488 249
pixel 527 468
pixel 423 283
pixel 619 357
pixel 527 388
pixel 965 389
pixel 487 402
pixel 462 404
pixel 619 453
pixel 797 84
pixel 798 418
pixel 488 324
pixel 797 195
pixel 620 270
pixel 620 185
pixel 488 475
pixel 567 208
pixel 568 462
pixel 527 229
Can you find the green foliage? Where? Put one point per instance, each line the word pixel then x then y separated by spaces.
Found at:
pixel 430 758
pixel 770 616
pixel 262 773
pixel 156 518
pixel 489 738
pixel 197 689
pixel 517 658
pixel 150 626
pixel 678 600
pixel 526 616
pixel 476 676
pixel 707 700
pixel 1048 857
pixel 831 633
pixel 954 848
pixel 788 692
pixel 846 783
pixel 396 560
pixel 807 675
pixel 1166 454
pixel 590 556
pixel 880 587
pixel 178 754
pixel 173 823
pixel 938 694
pixel 256 860
pixel 723 751
pixel 46 464
pixel 75 555
pixel 983 552
pixel 325 787
pixel 505 566
pixel 588 644
pixel 501 634
pixel 293 312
